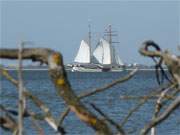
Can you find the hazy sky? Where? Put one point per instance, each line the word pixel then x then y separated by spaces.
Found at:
pixel 61 25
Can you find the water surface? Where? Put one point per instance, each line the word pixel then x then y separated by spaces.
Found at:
pixel 39 83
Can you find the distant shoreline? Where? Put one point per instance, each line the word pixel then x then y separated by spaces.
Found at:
pixel 46 69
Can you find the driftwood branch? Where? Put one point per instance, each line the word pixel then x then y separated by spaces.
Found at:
pixel 159 105
pixel 48 116
pixel 132 111
pixel 171 61
pixel 59 78
pixel 175 104
pixel 58 75
pixel 7 122
pixel 21 101
pixel 98 90
pixel 34 54
pixel 63 115
pixel 173 64
pixel 107 86
pixel 112 122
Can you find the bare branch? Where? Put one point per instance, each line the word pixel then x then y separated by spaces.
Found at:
pixel 118 127
pixel 10 124
pixel 145 46
pixel 21 102
pixel 159 105
pixel 107 86
pixel 48 116
pixel 132 111
pixel 34 54
pixel 59 78
pixel 98 90
pixel 175 104
pixel 170 60
pixel 7 122
pixel 63 115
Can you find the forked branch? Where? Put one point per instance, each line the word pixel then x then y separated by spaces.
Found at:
pixel 59 78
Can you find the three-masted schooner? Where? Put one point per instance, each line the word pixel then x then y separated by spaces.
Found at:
pixel 103 58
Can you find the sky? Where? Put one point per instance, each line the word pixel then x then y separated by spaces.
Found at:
pixel 61 25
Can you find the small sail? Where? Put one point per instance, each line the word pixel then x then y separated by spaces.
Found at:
pixel 115 58
pixel 83 55
pixel 103 52
pixel 98 53
pixel 118 60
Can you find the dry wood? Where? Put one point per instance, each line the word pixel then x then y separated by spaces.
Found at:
pixel 173 64
pixel 64 90
pixel 171 61
pixel 98 90
pixel 175 104
pixel 7 122
pixel 59 78
pixel 21 101
pixel 48 116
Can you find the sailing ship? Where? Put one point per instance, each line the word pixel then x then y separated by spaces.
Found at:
pixel 103 58
pixel 107 56
pixel 84 60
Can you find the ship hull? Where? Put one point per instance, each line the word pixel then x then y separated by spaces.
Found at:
pixel 84 69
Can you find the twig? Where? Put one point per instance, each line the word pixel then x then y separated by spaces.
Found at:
pixel 175 104
pixel 48 116
pixel 59 78
pixel 63 115
pixel 21 102
pixel 8 122
pixel 132 111
pixel 98 90
pixel 170 60
pixel 159 105
pixel 173 64
pixel 139 97
pixel 118 127
pixel 38 128
pixel 107 86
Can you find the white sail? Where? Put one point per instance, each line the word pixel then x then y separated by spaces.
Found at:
pixel 119 61
pixel 106 54
pixel 83 55
pixel 115 57
pixel 98 53
pixel 103 52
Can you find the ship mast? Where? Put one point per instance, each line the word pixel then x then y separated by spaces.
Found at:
pixel 109 33
pixel 89 39
pixel 110 40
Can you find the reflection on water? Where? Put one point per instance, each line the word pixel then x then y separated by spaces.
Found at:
pixel 109 101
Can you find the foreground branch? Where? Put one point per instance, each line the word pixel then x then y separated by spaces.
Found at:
pixel 48 116
pixel 107 86
pixel 59 78
pixel 98 90
pixel 112 122
pixel 21 100
pixel 175 104
pixel 7 122
pixel 170 60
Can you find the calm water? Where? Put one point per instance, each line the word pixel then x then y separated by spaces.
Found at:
pixel 109 101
